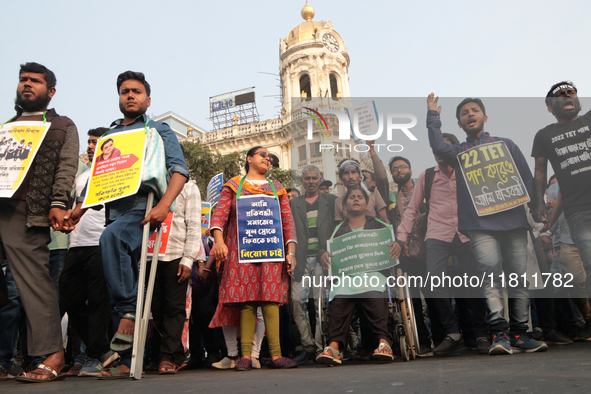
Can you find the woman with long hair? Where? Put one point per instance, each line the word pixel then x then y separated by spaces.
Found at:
pixel 246 286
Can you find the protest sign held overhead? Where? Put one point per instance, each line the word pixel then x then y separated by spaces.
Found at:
pixel 117 171
pixel 19 144
pixel 493 180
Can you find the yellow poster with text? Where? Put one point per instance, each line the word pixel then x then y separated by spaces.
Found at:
pixel 116 170
pixel 19 144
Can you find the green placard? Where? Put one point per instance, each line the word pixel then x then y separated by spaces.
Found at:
pixel 361 251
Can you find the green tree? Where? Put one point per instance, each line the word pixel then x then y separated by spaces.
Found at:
pixel 204 165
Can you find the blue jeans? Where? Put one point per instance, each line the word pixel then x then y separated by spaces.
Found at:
pixel 9 322
pixel 495 252
pixel 121 243
pixel 580 231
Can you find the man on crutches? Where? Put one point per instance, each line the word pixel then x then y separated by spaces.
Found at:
pixel 121 242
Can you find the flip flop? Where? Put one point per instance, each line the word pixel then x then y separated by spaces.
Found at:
pixel 328 359
pixel 167 368
pixel 122 342
pixel 115 374
pixel 383 356
pixel 47 370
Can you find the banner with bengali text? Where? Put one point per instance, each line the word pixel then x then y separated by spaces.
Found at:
pixel 116 170
pixel 493 180
pixel 260 234
pixel 19 144
pixel 361 251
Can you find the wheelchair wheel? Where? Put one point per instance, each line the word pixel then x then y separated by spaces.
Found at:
pixel 404 348
pixel 408 318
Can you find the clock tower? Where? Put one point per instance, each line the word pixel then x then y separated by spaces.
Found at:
pixel 313 66
pixel 313 61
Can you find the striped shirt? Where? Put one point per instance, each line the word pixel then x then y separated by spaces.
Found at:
pixel 312 214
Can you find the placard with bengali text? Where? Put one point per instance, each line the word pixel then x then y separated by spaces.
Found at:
pixel 492 178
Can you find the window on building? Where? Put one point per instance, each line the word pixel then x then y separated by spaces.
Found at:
pixel 334 86
pixel 302 152
pixel 338 149
pixel 305 86
pixel 315 150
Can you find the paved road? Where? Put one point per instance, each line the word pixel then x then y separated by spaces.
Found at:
pixel 560 370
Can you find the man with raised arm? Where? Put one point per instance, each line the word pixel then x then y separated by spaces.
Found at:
pixel 499 240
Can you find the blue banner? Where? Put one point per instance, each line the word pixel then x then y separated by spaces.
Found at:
pixel 260 234
pixel 215 188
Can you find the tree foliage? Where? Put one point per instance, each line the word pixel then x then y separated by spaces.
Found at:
pixel 204 165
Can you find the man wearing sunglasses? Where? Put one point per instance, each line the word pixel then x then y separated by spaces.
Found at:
pixel 567 144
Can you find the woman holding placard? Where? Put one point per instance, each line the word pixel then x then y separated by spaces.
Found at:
pixel 256 261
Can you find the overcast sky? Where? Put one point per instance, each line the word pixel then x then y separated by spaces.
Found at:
pixel 191 50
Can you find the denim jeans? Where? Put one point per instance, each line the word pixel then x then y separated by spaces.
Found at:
pixel 121 243
pixel 497 252
pixel 9 322
pixel 300 295
pixel 580 231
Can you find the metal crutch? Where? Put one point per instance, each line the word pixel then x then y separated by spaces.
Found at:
pixel 142 311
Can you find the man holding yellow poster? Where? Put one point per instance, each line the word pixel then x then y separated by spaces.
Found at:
pixel 122 239
pixel 34 194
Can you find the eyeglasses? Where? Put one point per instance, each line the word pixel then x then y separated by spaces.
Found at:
pixel 263 154
pixel 402 167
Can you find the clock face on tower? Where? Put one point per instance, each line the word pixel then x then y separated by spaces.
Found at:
pixel 330 42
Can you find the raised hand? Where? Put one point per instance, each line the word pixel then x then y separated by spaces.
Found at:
pixel 432 103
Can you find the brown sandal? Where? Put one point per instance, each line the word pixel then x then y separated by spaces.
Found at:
pixel 167 368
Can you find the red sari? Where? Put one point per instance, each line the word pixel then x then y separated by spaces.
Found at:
pixel 248 282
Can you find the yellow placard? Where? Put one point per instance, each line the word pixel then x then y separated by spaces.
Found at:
pixel 19 144
pixel 116 170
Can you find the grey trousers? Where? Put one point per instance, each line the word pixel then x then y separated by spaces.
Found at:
pixel 28 257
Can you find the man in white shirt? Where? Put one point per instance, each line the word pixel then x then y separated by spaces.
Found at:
pixel 170 288
pixel 83 288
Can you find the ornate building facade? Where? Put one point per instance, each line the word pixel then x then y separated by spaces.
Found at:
pixel 313 67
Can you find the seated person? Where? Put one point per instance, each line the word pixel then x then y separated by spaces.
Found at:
pixel 373 302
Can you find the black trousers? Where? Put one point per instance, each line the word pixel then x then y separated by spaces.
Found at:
pixel 168 310
pixel 82 280
pixel 341 310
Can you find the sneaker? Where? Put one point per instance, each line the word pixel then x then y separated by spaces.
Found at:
pixel 3 374
pixel 256 364
pixel 79 361
pixel 226 363
pixel 585 334
pixel 245 364
pixel 500 345
pixel 282 362
pixel 109 358
pixel 553 337
pixel 447 346
pixel 483 345
pixel 525 344
pixel 303 358
pixel 92 367
pixel 425 351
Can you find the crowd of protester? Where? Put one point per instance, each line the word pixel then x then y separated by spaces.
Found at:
pixel 70 274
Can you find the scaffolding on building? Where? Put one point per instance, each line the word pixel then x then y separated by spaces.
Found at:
pixel 233 108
